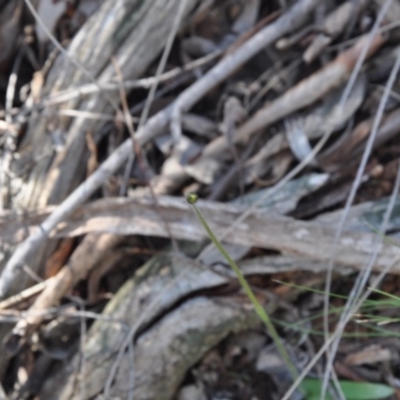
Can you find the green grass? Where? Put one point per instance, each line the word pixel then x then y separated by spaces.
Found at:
pixel 311 388
pixel 263 315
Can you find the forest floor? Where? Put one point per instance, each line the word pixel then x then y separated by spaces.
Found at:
pixel 282 117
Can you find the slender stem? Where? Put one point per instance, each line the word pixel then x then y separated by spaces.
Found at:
pixel 191 198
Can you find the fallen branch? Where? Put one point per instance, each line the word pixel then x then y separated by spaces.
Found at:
pixel 155 126
pixel 290 20
pixel 313 240
pixel 303 94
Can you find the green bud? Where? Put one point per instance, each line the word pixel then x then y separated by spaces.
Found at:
pixel 191 198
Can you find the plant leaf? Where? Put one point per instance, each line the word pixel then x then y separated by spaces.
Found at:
pixel 352 390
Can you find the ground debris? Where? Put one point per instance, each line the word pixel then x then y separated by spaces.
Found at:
pixel 282 117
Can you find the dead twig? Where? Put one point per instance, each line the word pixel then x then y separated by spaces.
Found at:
pixel 87 256
pixel 291 19
pixel 24 295
pixel 145 83
pixel 124 216
pixel 365 273
pixel 303 94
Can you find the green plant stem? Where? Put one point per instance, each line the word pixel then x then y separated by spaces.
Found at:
pixel 242 280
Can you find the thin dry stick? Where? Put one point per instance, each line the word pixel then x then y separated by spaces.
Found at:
pixel 357 181
pixel 364 50
pixel 145 83
pixel 352 306
pixel 290 20
pixel 82 339
pixel 350 42
pixel 153 88
pixel 303 94
pixel 163 62
pixel 138 152
pixel 300 167
pixel 290 176
pixel 87 115
pixel 364 275
pixel 143 118
pixel 61 49
pixel 279 76
pixel 330 340
pixel 25 294
pixel 14 316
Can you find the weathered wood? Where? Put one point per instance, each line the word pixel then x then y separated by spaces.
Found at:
pixel 168 347
pixel 174 326
pixel 297 15
pixel 309 239
pixel 134 33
